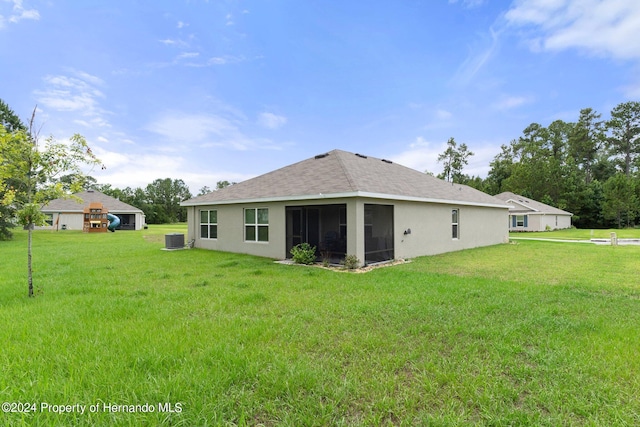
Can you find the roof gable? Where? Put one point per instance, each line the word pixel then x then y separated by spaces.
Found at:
pixel 340 173
pixel 523 204
pixel 88 197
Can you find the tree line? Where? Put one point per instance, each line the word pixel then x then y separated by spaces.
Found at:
pixel 160 200
pixel 590 167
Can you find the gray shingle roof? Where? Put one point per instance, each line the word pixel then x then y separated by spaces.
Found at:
pixel 71 205
pixel 523 204
pixel 340 173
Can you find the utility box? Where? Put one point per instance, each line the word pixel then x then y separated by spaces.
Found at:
pixel 174 241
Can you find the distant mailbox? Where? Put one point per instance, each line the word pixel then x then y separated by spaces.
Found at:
pixel 174 241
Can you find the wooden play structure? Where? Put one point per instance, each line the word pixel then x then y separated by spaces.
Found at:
pixel 95 218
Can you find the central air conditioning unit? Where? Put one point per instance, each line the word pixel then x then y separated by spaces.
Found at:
pixel 174 241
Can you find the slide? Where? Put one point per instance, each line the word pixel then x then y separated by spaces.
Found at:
pixel 114 222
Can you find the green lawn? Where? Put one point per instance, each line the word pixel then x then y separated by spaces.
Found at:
pixel 532 333
pixel 581 234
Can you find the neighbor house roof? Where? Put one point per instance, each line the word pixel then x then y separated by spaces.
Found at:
pixel 89 196
pixel 521 204
pixel 342 174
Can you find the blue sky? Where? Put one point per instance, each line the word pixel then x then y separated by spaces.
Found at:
pixel 226 90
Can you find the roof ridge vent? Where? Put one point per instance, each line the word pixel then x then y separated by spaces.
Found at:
pixel 321 156
pixel 361 155
pixel 387 161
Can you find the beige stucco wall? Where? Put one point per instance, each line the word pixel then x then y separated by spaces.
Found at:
pixel 538 222
pixel 430 225
pixel 231 227
pixel 73 221
pixel 231 230
pixel 555 222
pixel 431 232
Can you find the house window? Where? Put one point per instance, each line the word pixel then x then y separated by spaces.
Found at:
pixel 49 219
pixel 209 224
pixel 455 223
pixel 520 221
pixel 256 225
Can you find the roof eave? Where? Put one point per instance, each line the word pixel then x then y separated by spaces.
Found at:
pixel 523 205
pixel 322 196
pixel 564 213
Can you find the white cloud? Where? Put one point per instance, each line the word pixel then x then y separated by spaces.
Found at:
pixel 191 59
pixel 478 57
pixel 438 118
pixel 271 121
pixel 95 122
pixel 510 102
pixel 174 42
pixel 599 27
pixel 89 79
pixel 469 3
pixel 135 170
pixel 483 155
pixel 76 93
pixel 111 159
pixel 423 155
pixel 443 114
pixel 223 128
pixel 222 60
pixel 632 91
pixel 195 128
pixel 17 13
pixel 188 55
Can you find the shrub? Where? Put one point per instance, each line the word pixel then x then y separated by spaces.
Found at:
pixel 350 262
pixel 304 253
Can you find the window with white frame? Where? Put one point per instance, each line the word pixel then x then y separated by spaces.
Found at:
pixel 256 224
pixel 520 221
pixel 208 224
pixel 455 223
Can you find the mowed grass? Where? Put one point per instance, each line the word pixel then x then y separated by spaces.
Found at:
pixel 532 333
pixel 581 234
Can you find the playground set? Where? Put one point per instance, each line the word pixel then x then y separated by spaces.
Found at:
pixel 97 219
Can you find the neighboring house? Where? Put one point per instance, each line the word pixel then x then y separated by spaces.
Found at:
pixel 529 215
pixel 345 203
pixel 67 214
